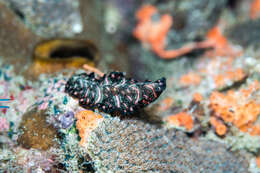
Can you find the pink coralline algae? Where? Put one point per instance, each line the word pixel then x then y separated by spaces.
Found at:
pixel 3 124
pixel 54 86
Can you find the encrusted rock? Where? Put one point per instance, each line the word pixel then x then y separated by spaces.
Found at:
pixel 36 132
pixel 120 146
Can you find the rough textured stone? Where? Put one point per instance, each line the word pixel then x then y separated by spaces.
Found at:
pixel 133 146
pixel 36 132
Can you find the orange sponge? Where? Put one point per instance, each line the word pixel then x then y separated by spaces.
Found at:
pixel 181 119
pixel 220 128
pixel 255 9
pixel 236 107
pixel 86 122
pixel 190 79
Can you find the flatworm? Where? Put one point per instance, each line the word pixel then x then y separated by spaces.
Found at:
pixel 113 92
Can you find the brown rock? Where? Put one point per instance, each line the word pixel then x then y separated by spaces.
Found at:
pixel 16 41
pixel 36 132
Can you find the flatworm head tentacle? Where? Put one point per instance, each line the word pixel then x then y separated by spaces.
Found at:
pixel 113 92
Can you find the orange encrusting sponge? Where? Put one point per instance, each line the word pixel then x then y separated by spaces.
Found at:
pixel 86 122
pixel 181 119
pixel 153 33
pixel 190 79
pixel 220 127
pixel 197 97
pixel 236 107
pixel 255 9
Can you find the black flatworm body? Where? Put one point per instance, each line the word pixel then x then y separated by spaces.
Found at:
pixel 113 92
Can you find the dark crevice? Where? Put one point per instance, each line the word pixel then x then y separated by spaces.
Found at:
pixel 235 85
pixel 17 11
pixel 233 3
pixel 86 165
pixel 69 52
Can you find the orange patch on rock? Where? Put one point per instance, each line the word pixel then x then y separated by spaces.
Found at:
pixel 237 107
pixel 181 119
pixel 229 76
pixel 219 126
pixel 220 43
pixel 258 162
pixel 221 70
pixel 190 79
pixel 146 12
pixel 215 35
pixel 197 97
pixel 255 130
pixel 153 33
pixel 255 9
pixel 165 104
pixel 86 122
pixel 149 32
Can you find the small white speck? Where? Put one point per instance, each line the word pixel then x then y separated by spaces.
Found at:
pixel 77 28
